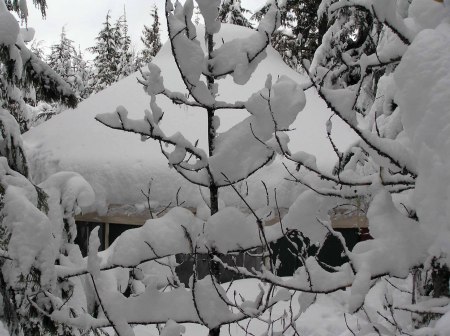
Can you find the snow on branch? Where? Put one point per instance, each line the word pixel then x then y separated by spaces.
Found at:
pixel 23 68
pixel 154 84
pixel 167 236
pixel 347 188
pixel 210 12
pixel 12 145
pixel 45 80
pixel 71 190
pixel 4 255
pixel 385 11
pixel 148 127
pixel 240 57
pixel 188 54
pixel 439 306
pixel 205 303
pixel 341 102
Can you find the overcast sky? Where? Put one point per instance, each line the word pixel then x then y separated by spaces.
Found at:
pixel 83 19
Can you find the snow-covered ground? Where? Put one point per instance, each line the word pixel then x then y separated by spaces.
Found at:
pixel 118 165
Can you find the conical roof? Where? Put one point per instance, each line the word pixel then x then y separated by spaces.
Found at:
pixel 119 165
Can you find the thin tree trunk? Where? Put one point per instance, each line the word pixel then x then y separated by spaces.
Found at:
pixel 213 189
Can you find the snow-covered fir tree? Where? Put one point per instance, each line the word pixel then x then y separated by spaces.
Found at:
pixel 125 55
pixel 232 12
pixel 37 226
pixel 70 65
pixel 61 58
pixel 306 26
pixel 370 56
pixel 37 48
pixel 106 62
pixel 17 91
pixel 21 7
pixel 83 73
pixel 114 57
pixel 151 38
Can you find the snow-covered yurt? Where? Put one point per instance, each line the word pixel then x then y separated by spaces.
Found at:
pixel 129 174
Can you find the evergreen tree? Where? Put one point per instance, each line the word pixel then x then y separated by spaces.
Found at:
pixel 114 57
pixel 355 38
pixel 34 220
pixel 83 76
pixel 232 12
pixel 151 39
pixel 37 49
pixel 21 8
pixel 70 65
pixel 123 47
pixel 302 19
pixel 106 55
pixel 302 30
pixel 22 72
pixel 61 59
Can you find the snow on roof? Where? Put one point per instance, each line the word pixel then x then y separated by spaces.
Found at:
pixel 119 165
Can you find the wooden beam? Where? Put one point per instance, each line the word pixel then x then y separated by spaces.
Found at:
pixel 112 219
pixel 337 222
pixel 349 222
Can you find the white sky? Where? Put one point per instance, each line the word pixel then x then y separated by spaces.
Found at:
pixel 83 19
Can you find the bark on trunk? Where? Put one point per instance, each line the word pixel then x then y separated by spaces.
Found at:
pixel 213 189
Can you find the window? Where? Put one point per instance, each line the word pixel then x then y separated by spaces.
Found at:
pixel 84 230
pixel 107 233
